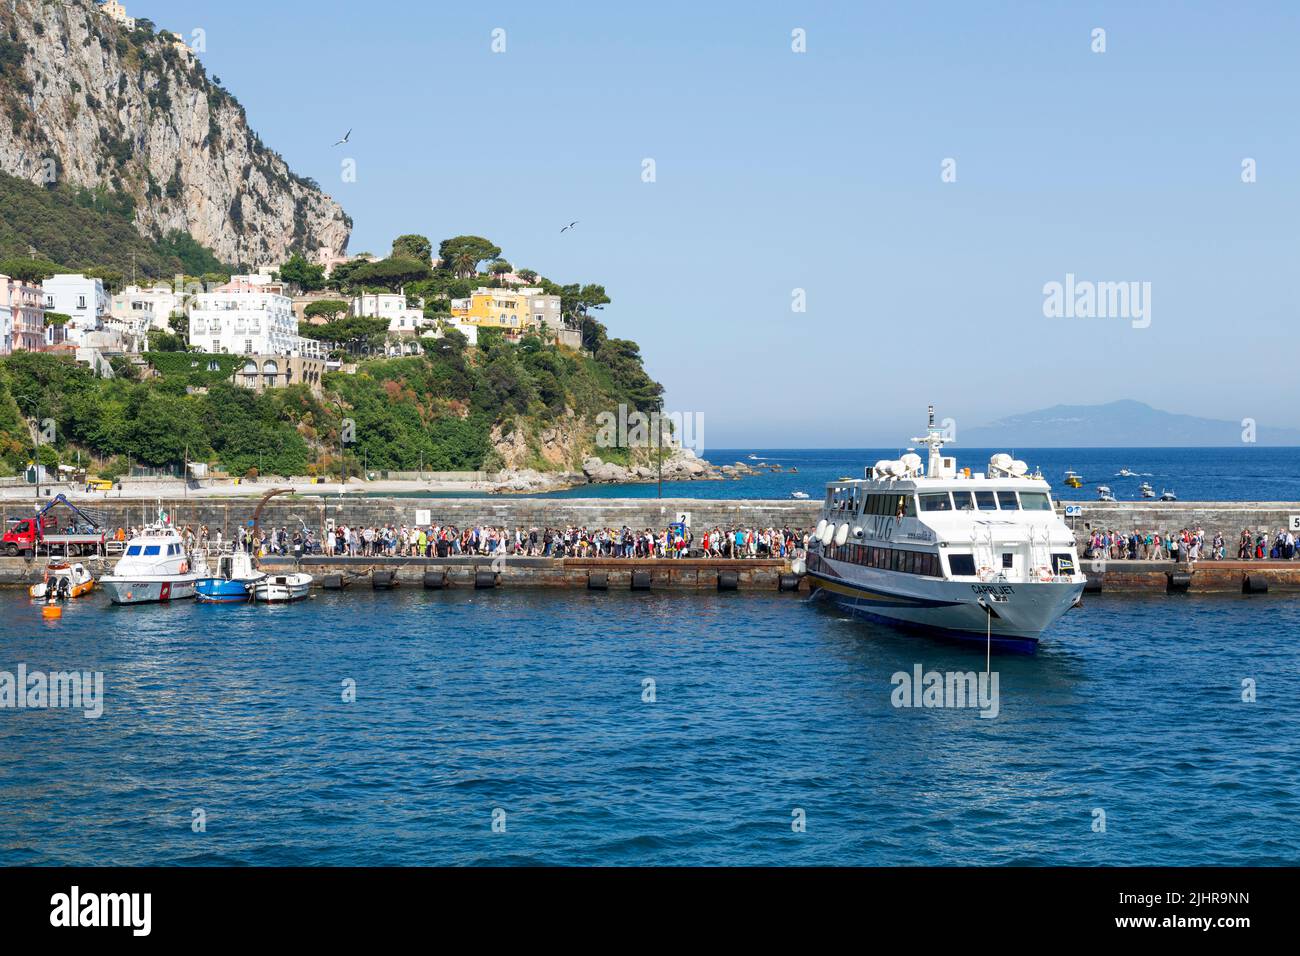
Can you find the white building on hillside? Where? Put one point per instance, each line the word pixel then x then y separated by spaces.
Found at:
pixel 401 317
pixel 244 318
pixel 79 297
pixel 144 309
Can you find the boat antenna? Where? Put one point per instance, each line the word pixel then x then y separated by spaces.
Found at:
pixel 934 441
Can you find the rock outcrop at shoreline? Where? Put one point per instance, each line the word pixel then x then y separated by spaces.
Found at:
pixel 682 465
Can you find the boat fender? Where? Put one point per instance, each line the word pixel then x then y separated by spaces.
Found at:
pixel 841 534
pixel 728 580
pixel 821 526
pixel 1045 574
pixel 598 581
pixel 1254 584
pixel 789 582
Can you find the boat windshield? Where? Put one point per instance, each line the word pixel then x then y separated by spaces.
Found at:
pixel 133 550
pixel 1037 500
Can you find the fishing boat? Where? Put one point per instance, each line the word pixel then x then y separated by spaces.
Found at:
pixel 1104 493
pixel 282 588
pixel 154 567
pixel 1146 490
pixel 233 583
pixel 1072 479
pixel 982 557
pixel 1167 495
pixel 63 580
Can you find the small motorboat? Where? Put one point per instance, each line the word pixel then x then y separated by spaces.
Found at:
pixel 233 582
pixel 1146 490
pixel 1168 496
pixel 801 495
pixel 1125 473
pixel 1104 493
pixel 62 581
pixel 282 588
pixel 1072 479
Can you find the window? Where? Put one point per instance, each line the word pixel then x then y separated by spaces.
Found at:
pixel 151 550
pixel 1008 559
pixel 936 502
pixel 985 501
pixel 961 565
pixel 1007 501
pixel 963 501
pixel 1035 501
pixel 133 551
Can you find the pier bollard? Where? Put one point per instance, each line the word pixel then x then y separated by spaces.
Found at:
pixel 728 580
pixel 484 580
pixel 640 580
pixel 435 580
pixel 333 582
pixel 1254 584
pixel 788 582
pixel 383 580
pixel 1094 583
pixel 1177 582
pixel 598 581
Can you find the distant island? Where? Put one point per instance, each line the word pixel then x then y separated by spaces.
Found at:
pixel 1124 423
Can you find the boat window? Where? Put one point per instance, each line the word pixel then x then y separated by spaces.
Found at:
pixel 909 506
pixel 1035 501
pixel 961 565
pixel 151 549
pixel 985 501
pixel 1008 559
pixel 963 500
pixel 936 502
pixel 133 551
pixel 1063 563
pixel 1007 501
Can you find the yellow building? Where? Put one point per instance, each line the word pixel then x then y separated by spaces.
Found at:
pixel 514 310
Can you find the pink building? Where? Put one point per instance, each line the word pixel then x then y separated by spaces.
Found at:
pixel 22 316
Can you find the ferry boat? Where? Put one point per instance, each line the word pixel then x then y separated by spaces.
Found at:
pixel 1104 493
pixel 154 567
pixel 983 557
pixel 1146 490
pixel 1072 479
pixel 233 582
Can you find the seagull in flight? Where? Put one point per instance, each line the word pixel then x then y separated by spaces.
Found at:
pixel 569 226
pixel 346 136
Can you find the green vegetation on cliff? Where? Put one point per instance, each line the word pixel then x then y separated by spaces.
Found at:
pixel 436 410
pixel 82 230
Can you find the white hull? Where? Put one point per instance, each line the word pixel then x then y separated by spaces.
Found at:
pixel 149 590
pixel 1021 611
pixel 282 588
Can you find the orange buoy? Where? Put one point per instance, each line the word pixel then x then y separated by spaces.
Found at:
pixel 51 612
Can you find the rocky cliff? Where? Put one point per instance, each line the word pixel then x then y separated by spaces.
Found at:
pixel 101 106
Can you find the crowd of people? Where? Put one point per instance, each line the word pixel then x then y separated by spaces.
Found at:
pixel 441 541
pixel 1190 544
pixel 676 541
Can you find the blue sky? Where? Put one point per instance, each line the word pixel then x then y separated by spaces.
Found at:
pixel 821 171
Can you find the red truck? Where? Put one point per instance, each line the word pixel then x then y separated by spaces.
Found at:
pixel 50 531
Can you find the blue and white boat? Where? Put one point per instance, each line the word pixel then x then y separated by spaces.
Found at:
pixel 234 583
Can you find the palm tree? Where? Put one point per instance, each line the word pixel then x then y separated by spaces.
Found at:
pixel 463 264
